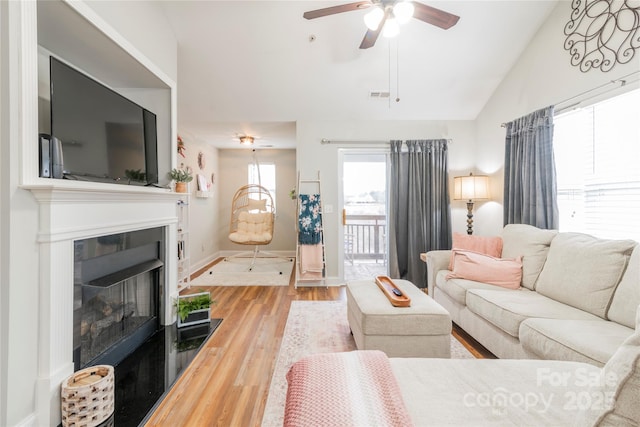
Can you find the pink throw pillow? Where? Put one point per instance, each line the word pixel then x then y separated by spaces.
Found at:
pixel 506 273
pixel 491 246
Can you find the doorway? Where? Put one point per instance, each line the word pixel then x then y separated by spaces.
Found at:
pixel 364 213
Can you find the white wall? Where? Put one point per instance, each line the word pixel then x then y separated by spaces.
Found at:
pixel 4 249
pixel 542 76
pixel 19 272
pixel 233 175
pixel 19 222
pixel 312 156
pixel 203 212
pixel 145 25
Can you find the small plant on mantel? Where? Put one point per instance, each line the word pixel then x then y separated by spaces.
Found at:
pixel 181 177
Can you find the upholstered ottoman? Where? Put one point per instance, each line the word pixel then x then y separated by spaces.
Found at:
pixel 421 330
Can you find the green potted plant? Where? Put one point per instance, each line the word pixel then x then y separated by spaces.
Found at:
pixel 181 177
pixel 194 309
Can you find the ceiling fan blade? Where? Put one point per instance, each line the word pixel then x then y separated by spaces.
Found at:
pixel 434 16
pixel 312 14
pixel 369 39
pixel 371 36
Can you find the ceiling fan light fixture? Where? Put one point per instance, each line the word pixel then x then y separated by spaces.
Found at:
pixel 246 140
pixel 391 28
pixel 373 18
pixel 403 11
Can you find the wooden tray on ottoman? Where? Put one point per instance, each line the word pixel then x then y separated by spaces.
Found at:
pixel 387 286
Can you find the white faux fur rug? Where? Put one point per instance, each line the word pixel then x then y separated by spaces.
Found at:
pixel 235 272
pixel 315 327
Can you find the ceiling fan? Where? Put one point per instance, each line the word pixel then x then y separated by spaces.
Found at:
pixel 386 14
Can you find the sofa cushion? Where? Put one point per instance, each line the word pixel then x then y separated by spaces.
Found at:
pixel 627 295
pixel 532 244
pixel 573 339
pixel 506 273
pixel 457 288
pixel 491 245
pixel 583 271
pixel 507 309
pixel 624 368
pixel 445 392
pixel 253 204
pixel 620 385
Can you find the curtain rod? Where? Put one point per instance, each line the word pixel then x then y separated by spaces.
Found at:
pixel 576 104
pixel 335 141
pixel 371 142
pixel 622 81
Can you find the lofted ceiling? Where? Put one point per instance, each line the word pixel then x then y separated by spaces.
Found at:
pixel 257 67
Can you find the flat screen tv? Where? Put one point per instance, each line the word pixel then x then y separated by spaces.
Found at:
pixel 105 137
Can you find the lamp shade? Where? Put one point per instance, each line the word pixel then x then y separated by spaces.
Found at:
pixel 471 187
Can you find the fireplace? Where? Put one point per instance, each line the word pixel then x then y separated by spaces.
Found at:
pixel 117 288
pixel 71 215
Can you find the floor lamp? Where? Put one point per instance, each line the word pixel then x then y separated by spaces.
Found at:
pixel 470 188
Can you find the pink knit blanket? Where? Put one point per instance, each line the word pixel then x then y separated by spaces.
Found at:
pixel 356 388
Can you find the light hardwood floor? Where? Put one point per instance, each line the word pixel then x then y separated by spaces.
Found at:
pixel 228 381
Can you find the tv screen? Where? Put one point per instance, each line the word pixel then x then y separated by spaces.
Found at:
pixel 105 137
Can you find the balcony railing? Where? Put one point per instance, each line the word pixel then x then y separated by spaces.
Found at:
pixel 365 237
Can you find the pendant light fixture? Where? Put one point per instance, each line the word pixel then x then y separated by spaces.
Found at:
pixel 246 140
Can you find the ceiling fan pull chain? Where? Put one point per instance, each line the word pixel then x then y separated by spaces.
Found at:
pixel 389 75
pixel 398 70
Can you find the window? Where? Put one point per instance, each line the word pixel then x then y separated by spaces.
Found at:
pixel 597 153
pixel 266 178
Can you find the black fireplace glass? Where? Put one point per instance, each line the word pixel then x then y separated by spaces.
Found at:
pixel 112 313
pixel 117 282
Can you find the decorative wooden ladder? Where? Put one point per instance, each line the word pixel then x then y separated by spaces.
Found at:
pixel 311 186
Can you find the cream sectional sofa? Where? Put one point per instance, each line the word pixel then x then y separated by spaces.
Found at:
pixel 333 389
pixel 577 300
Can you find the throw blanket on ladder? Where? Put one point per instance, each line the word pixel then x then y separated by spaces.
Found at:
pixel 311 262
pixel 357 388
pixel 309 220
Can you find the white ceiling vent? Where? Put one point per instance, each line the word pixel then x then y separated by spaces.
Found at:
pixel 379 94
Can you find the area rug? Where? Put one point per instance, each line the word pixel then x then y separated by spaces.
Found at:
pixel 235 272
pixel 315 327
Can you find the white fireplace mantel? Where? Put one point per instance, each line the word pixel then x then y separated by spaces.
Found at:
pixel 73 212
pixel 69 212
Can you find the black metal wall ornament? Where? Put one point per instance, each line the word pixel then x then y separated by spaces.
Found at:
pixel 602 33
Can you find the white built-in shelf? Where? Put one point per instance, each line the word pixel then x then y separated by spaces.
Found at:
pixel 184 262
pixel 204 194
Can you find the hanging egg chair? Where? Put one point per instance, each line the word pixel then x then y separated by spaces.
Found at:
pixel 252 220
pixel 252 215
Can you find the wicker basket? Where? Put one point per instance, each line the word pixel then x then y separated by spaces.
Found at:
pixel 87 397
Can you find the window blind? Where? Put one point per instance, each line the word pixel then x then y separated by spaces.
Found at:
pixel 597 152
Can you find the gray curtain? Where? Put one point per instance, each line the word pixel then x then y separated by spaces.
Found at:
pixel 419 212
pixel 530 182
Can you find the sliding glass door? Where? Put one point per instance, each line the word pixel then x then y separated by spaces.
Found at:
pixel 364 213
